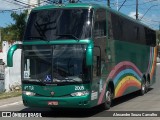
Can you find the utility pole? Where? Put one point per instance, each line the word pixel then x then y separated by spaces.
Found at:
pixel 117 5
pixel 38 2
pixel 136 9
pixel 108 3
pixel 31 4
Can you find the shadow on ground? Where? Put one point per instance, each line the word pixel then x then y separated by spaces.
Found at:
pixel 128 97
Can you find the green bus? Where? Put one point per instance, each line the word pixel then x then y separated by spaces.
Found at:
pixel 80 55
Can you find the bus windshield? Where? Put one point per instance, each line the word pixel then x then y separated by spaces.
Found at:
pixel 54 64
pixel 59 24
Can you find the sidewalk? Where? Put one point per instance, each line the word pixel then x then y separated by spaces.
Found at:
pixel 4 102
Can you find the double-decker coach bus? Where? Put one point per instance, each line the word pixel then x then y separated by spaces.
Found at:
pixel 80 55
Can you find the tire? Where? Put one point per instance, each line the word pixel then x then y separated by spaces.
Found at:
pixel 108 99
pixel 147 86
pixel 143 87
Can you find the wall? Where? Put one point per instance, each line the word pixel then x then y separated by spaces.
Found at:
pixel 12 76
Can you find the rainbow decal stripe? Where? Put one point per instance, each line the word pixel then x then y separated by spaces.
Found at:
pixel 125 79
pixel 125 74
pixel 152 61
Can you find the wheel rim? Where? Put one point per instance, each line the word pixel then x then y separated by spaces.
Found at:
pixel 143 87
pixel 108 96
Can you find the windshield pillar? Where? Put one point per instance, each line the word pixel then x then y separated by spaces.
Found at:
pixel 89 54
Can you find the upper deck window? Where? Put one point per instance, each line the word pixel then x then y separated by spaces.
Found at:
pixel 59 24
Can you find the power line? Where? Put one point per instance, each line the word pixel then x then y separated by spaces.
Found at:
pixel 142 3
pixel 122 5
pixel 21 2
pixel 147 11
pixel 11 2
pixel 20 8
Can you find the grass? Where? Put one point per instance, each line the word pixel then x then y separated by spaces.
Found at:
pixel 10 94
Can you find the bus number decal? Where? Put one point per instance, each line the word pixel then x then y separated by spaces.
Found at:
pixel 79 87
pixel 28 87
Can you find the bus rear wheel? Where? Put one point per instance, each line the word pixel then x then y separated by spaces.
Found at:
pixel 108 99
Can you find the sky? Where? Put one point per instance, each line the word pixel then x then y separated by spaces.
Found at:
pixel 148 10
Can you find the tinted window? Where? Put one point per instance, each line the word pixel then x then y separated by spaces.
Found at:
pixel 100 23
pixel 123 29
pixel 55 24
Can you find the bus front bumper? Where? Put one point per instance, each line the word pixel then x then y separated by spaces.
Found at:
pixel 57 102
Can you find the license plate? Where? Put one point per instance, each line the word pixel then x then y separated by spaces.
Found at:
pixel 53 103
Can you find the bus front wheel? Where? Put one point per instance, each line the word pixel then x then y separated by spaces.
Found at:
pixel 108 99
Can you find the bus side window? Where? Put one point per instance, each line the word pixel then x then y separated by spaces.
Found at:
pixel 100 23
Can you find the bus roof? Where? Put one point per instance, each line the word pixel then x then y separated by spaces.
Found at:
pixel 70 5
pixel 88 5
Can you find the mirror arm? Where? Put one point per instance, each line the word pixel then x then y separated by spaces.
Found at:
pixel 10 53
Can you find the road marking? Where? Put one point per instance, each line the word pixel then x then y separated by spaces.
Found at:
pixel 11 104
pixel 158 63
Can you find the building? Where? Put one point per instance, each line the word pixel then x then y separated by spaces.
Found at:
pixel 10 77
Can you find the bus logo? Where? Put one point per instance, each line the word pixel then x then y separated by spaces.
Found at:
pixel 52 93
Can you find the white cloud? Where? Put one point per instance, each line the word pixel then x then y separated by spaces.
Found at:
pixel 148 20
pixel 133 15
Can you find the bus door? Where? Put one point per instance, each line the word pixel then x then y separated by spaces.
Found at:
pixel 99 38
pixel 96 72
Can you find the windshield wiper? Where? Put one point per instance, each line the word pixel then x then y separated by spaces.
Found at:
pixel 73 79
pixel 34 80
pixel 67 80
pixel 69 35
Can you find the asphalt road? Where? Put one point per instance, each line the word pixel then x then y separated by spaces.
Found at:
pixel 129 103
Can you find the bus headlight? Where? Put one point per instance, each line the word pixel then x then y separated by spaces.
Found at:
pixel 82 93
pixel 28 93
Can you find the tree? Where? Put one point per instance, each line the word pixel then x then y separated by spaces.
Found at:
pixel 8 34
pixel 15 32
pixel 20 23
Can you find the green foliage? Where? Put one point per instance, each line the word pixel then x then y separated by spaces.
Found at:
pixel 8 34
pixel 158 37
pixel 14 32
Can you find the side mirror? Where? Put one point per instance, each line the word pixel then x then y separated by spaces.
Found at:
pixel 10 53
